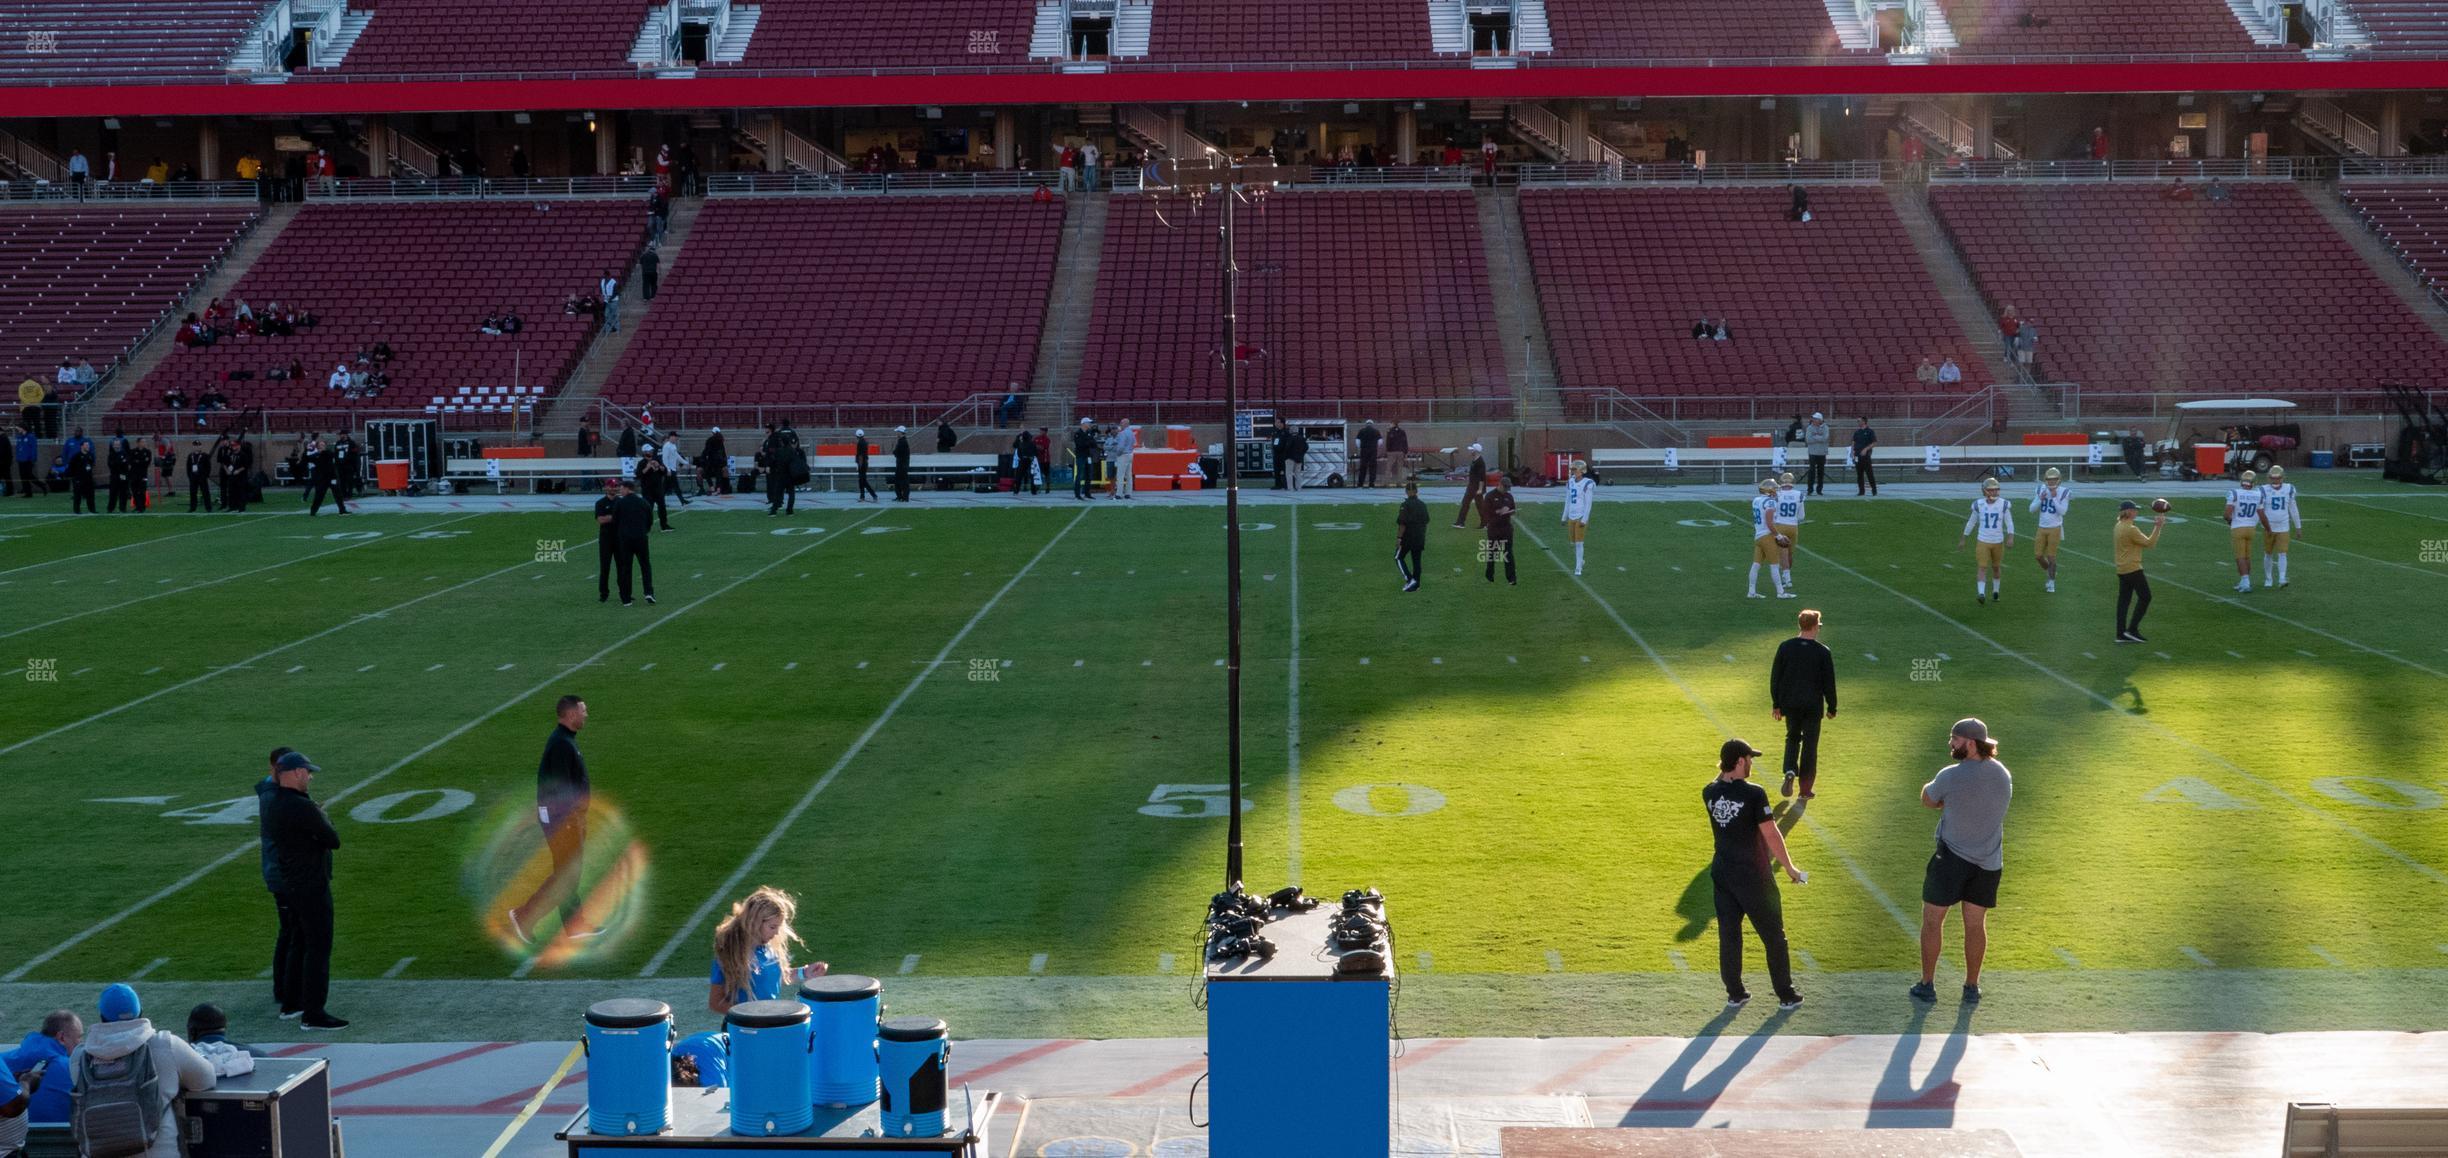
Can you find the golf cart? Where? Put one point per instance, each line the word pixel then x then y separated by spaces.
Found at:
pixel 2242 433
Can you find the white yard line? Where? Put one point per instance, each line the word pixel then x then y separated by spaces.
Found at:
pixel 765 847
pixel 335 798
pixel 2383 510
pixel 216 582
pixel 1910 927
pixel 126 546
pixel 1292 783
pixel 2434 572
pixel 2391 851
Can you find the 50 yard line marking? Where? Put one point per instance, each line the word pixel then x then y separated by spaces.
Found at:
pixel 224 579
pixel 765 847
pixel 1911 928
pixel 2385 848
pixel 183 883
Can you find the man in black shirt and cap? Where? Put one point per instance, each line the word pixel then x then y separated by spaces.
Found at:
pixel 901 464
pixel 1083 460
pixel 781 469
pixel 1742 875
pixel 1368 455
pixel 563 793
pixel 1410 536
pixel 632 521
pixel 199 478
pixel 1802 685
pixel 1470 486
pixel 607 540
pixel 858 455
pixel 302 841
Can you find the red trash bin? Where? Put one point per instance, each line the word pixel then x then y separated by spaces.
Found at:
pixel 2210 458
pixel 391 474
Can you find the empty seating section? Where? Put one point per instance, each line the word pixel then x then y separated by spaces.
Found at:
pixel 890 34
pixel 2404 25
pixel 2096 27
pixel 102 41
pixel 464 36
pixel 1343 296
pixel 420 278
pixel 1249 31
pixel 88 282
pixel 2413 220
pixel 1630 29
pixel 2136 292
pixel 1837 305
pixel 859 300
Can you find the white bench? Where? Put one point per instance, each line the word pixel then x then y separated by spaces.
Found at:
pixel 829 467
pixel 1725 462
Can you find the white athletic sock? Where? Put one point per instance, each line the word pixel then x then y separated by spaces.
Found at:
pixel 1577 555
pixel 1776 575
pixel 1754 586
pixel 1980 587
pixel 2282 562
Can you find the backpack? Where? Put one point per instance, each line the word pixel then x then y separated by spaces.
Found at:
pixel 798 467
pixel 116 1107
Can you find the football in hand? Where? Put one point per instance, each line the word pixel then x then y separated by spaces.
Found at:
pixel 1782 541
pixel 2159 506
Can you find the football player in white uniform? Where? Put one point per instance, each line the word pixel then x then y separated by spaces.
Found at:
pixel 1788 520
pixel 1764 546
pixel 2049 501
pixel 1993 519
pixel 2283 516
pixel 2243 519
pixel 1580 495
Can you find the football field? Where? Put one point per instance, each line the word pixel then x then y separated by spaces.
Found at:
pixel 984 745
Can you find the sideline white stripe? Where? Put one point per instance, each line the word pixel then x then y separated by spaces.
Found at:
pixel 2384 510
pixel 335 798
pixel 764 847
pixel 2216 597
pixel 2434 572
pixel 2376 843
pixel 1910 927
pixel 1292 785
pixel 127 546
pixel 224 579
pixel 183 685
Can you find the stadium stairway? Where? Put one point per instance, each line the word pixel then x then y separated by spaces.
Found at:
pixel 268 227
pixel 1972 313
pixel 576 398
pixel 1062 343
pixel 2376 254
pixel 1522 325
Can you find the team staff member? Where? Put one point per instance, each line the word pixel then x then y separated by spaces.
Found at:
pixel 1125 458
pixel 1815 444
pixel 324 469
pixel 653 483
pixel 284 986
pixel 1580 495
pixel 858 456
pixel 781 451
pixel 199 478
pixel 80 477
pixel 1865 440
pixel 607 540
pixel 1801 686
pixel 1410 536
pixel 2284 518
pixel 2049 501
pixel 632 521
pixel 1971 796
pixel 1496 517
pixel 1992 518
pixel 2244 518
pixel 752 951
pixel 1471 486
pixel 303 841
pixel 1743 877
pixel 1083 460
pixel 563 793
pixel 237 465
pixel 2133 589
pixel 1368 452
pixel 901 464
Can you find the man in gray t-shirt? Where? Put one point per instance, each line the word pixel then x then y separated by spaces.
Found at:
pixel 1815 444
pixel 1971 796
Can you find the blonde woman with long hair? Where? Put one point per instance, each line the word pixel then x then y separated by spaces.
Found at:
pixel 752 951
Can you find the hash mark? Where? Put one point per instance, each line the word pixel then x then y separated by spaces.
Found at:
pixel 151 670
pixel 1510 659
pixel 1676 956
pixel 1037 962
pixel 1079 663
pixel 1808 962
pixel 1436 659
pixel 1425 962
pixel 2326 955
pixel 791 666
pixel 1870 657
pixel 367 668
pixel 2233 652
pixel 1147 663
pixel 1164 962
pixel 2163 655
pixel 1364 661
pixel 2065 955
pixel 2203 960
pixel 720 666
pixel 436 667
pixel 1555 961
pixel 141 974
pixel 862 665
pixel 505 667
pixel 1585 659
pixel 2305 654
pixel 295 668
pixel 1219 663
pixel 909 964
pixel 397 968
pixel 649 666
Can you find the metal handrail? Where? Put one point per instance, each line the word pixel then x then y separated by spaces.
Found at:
pixel 2392 168
pixel 520 188
pixel 981 181
pixel 116 191
pixel 1957 171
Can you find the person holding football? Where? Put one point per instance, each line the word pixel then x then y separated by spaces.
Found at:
pixel 2133 590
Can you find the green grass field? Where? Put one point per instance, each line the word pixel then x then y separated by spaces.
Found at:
pixel 980 735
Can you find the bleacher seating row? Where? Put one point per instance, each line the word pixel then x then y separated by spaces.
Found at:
pixel 2404 25
pixel 2134 291
pixel 858 299
pixel 421 278
pixel 86 282
pixel 1342 295
pixel 2413 220
pixel 127 40
pixel 1838 304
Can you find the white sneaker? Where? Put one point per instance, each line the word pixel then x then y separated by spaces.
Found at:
pixel 2051 587
pixel 1753 595
pixel 2243 585
pixel 1787 595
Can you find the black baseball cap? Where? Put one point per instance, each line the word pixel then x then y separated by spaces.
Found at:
pixel 2129 505
pixel 1733 751
pixel 296 760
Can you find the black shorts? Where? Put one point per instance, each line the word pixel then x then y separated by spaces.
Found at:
pixel 1951 880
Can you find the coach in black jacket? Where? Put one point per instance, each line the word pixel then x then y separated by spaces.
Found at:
pixel 302 841
pixel 1801 684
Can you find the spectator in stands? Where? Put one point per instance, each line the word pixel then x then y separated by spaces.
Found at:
pixel 66 374
pixel 1067 168
pixel 251 169
pixel 79 171
pixel 44 1054
pixel 1487 158
pixel 1091 160
pixel 1916 169
pixel 1949 373
pixel 650 269
pixel 1451 157
pixel 1702 330
pixel 2177 192
pixel 490 325
pixel 191 332
pixel 609 291
pixel 1800 210
pixel 1724 331
pixel 2217 190
pixel 1044 195
pixel 2099 144
pixel 519 167
pixel 1010 407
pixel 2027 340
pixel 177 1068
pixel 157 173
pixel 945 439
pixel 339 379
pixel 658 215
pixel 212 399
pixel 84 373
pixel 511 323
pixel 380 354
pixel 586 438
pixel 1927 372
